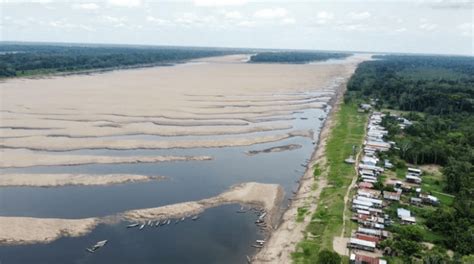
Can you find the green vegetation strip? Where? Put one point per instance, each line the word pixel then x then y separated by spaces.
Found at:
pixel 327 221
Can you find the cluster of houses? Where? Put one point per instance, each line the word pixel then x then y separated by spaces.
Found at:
pixel 368 203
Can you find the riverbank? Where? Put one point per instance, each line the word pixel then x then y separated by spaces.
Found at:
pixel 283 240
pixel 328 219
pixel 315 191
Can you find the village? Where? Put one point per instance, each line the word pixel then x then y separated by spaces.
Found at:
pixel 375 194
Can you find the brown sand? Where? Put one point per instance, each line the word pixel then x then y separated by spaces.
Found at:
pixel 28 230
pixel 198 98
pixel 12 158
pixel 284 239
pixel 274 149
pixel 57 180
pixel 66 143
pixel 267 196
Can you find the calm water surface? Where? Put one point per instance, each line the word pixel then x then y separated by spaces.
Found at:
pixel 219 236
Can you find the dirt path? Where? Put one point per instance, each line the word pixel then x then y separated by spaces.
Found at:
pixel 351 186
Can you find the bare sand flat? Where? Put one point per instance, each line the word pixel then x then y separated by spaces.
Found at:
pixel 274 149
pixel 267 196
pixel 66 143
pixel 58 180
pixel 13 158
pixel 190 99
pixel 29 230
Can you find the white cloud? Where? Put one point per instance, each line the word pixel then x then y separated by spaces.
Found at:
pixel 323 18
pixel 61 24
pixel 288 21
pixel 190 19
pixel 467 29
pixel 354 27
pixel 400 30
pixel 157 21
pixel 219 2
pixel 325 15
pixel 87 6
pixel 428 26
pixel 125 3
pixel 246 23
pixel 112 19
pixel 271 13
pixel 359 15
pixel 233 15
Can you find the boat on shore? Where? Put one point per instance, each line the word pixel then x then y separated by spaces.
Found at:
pixel 97 246
pixel 133 225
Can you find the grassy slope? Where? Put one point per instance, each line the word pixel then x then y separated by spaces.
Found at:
pixel 327 220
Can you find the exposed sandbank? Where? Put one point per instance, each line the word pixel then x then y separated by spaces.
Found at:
pixel 29 230
pixel 77 129
pixel 57 180
pixel 16 158
pixel 66 143
pixel 274 149
pixel 282 242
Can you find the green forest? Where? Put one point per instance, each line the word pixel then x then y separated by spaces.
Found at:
pixel 437 94
pixel 31 59
pixel 295 57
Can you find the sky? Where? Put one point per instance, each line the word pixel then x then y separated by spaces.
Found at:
pixel 416 26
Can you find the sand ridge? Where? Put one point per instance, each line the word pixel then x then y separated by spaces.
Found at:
pixel 30 230
pixel 66 143
pixel 65 179
pixel 18 158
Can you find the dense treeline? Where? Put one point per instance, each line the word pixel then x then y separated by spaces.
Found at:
pixel 431 84
pixel 439 93
pixel 295 57
pixel 26 59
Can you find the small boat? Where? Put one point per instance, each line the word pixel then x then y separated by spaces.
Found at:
pixel 97 245
pixel 141 227
pixel 133 225
pixel 150 223
pixel 196 217
pixel 262 216
pixel 157 224
pixel 260 242
pixel 176 222
pixel 248 260
pixel 182 219
pixel 168 222
pixel 163 222
pixel 257 246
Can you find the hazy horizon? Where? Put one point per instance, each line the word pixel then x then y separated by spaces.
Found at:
pixel 424 27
